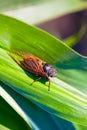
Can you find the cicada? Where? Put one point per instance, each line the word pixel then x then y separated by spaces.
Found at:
pixel 38 67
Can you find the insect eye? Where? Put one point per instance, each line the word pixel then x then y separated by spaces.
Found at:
pixel 46 67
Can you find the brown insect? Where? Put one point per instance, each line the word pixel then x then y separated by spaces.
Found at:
pixel 38 67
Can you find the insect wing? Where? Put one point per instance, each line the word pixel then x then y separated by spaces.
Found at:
pixel 33 65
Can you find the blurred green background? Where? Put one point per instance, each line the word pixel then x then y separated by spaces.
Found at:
pixel 66 20
pixel 59 17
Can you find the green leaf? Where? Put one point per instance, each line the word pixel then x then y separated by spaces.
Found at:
pixel 68 95
pixel 9 119
pixel 32 113
pixel 80 127
pixel 3 127
pixel 38 11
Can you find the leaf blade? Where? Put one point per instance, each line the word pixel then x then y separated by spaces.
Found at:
pixel 66 99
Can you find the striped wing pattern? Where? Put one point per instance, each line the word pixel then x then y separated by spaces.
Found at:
pixel 33 65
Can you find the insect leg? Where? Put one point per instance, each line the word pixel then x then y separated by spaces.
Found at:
pixel 36 80
pixel 48 79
